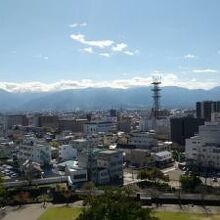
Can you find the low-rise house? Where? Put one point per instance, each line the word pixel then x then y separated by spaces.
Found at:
pixel 77 174
pixel 163 159
pixel 138 157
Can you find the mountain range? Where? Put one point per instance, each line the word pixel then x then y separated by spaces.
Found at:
pixel 90 98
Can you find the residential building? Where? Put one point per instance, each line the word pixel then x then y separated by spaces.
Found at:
pixel 103 166
pixel 67 152
pixel 88 160
pixel 31 169
pixel 215 117
pixel 98 126
pixel 138 157
pixel 35 151
pixel 160 125
pixel 12 120
pixel 77 174
pixel 6 148
pixel 80 144
pixel 145 140
pixel 163 159
pixel 49 121
pixel 112 161
pixel 203 150
pixel 74 125
pixel 124 124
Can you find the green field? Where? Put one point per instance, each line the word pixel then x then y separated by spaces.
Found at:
pixel 61 213
pixel 185 216
pixel 66 213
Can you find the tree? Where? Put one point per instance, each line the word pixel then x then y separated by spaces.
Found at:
pixel 190 183
pixel 2 191
pixel 21 198
pixel 67 195
pixel 152 174
pixel 115 205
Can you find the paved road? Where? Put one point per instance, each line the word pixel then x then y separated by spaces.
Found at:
pixel 27 212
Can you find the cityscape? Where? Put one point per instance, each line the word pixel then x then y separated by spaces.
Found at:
pixel 123 128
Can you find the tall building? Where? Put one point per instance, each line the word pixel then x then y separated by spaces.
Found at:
pixel 75 125
pixel 206 108
pixel 182 128
pixel 113 113
pixel 203 150
pixel 50 121
pixel 124 123
pixel 12 120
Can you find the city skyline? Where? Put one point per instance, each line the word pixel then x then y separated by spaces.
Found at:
pixel 119 44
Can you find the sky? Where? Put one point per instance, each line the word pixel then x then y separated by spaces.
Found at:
pixel 52 45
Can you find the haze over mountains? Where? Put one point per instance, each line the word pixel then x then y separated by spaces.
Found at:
pixel 65 100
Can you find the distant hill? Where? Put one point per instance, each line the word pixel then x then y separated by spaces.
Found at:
pixel 174 97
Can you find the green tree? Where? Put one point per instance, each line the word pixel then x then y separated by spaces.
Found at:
pixel 190 183
pixel 114 205
pixel 22 198
pixel 152 174
pixel 2 191
pixel 67 195
pixel 54 144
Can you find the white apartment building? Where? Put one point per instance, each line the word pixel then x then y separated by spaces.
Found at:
pixel 67 152
pixel 99 126
pixel 204 149
pixel 6 148
pixel 215 117
pixel 161 125
pixel 112 161
pixel 35 151
pixel 144 140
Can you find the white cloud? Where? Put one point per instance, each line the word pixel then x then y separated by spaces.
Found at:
pixel 205 71
pixel 190 56
pixel 94 43
pixel 74 25
pixel 129 53
pixel 104 54
pixel 119 47
pixel 41 56
pixel 107 47
pixel 87 50
pixel 168 79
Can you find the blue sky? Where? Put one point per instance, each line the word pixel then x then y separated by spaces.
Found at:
pixel 109 42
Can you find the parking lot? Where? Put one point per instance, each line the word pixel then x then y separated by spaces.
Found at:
pixel 174 175
pixel 8 173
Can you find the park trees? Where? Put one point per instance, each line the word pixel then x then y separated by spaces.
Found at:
pixel 190 183
pixel 2 191
pixel 114 204
pixel 152 174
